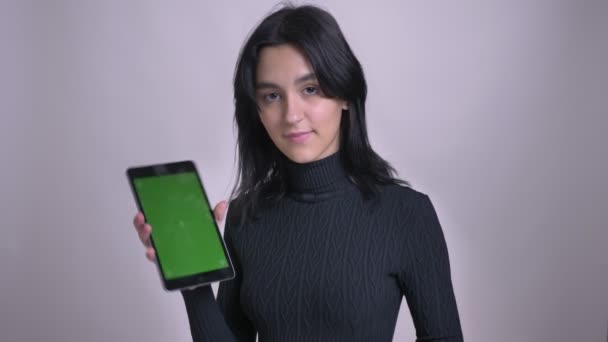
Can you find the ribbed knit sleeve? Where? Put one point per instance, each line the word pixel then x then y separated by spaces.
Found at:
pixel 228 295
pixel 221 319
pixel 425 278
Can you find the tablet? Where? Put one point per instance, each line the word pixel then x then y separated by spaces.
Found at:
pixel 189 248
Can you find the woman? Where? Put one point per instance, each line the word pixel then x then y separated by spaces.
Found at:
pixel 325 240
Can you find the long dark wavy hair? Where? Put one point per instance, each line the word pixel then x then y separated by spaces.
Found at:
pixel 261 171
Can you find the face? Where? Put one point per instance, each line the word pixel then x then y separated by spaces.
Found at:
pixel 303 123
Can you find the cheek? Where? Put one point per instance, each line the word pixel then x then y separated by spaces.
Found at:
pixel 327 118
pixel 271 124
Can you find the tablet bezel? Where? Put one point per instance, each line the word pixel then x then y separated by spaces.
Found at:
pixel 194 280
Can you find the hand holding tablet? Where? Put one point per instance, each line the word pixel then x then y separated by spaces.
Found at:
pixel 186 244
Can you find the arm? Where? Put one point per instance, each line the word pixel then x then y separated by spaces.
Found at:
pixel 221 320
pixel 425 278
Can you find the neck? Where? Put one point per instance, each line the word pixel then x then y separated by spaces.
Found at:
pixel 317 179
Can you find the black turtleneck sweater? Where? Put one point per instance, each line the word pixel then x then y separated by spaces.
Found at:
pixel 323 264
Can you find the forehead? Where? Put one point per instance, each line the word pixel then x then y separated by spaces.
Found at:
pixel 281 63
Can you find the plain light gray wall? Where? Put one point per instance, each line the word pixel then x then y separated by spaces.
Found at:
pixel 496 109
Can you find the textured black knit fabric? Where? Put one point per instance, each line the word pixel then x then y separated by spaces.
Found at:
pixel 323 264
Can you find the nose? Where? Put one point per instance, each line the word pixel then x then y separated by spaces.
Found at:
pixel 293 110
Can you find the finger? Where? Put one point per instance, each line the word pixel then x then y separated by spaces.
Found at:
pixel 144 235
pixel 220 210
pixel 138 221
pixel 150 254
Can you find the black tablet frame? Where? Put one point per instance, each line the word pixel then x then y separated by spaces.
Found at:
pixel 194 280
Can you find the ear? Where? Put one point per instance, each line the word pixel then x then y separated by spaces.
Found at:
pixel 344 105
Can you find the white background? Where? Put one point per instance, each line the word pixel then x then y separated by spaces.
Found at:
pixel 496 109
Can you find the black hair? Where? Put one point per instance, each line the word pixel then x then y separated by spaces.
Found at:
pixel 317 35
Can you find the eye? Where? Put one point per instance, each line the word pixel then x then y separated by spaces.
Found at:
pixel 310 90
pixel 271 97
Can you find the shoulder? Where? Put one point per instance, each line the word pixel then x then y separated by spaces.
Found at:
pixel 242 213
pixel 234 216
pixel 403 194
pixel 235 207
pixel 407 205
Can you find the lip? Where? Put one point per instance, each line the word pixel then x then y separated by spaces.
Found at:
pixel 298 137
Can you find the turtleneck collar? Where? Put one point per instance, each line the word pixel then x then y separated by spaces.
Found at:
pixel 316 180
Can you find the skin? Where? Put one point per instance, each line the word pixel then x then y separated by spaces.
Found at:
pixel 290 100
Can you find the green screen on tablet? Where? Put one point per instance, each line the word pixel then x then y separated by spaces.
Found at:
pixel 183 229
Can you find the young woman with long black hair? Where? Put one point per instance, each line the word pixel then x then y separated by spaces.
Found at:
pixel 326 241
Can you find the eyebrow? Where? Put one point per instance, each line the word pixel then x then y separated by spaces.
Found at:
pixel 308 77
